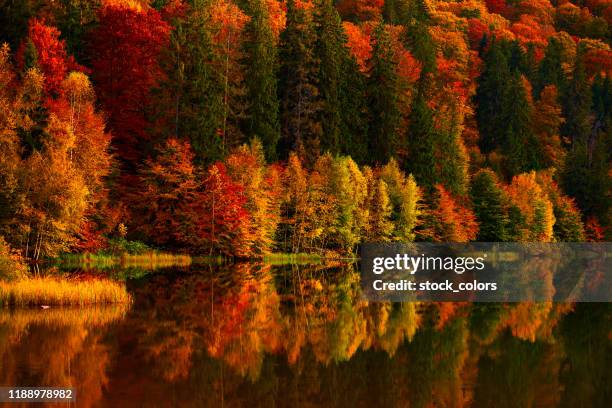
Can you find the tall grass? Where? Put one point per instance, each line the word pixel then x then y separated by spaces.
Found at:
pixel 61 292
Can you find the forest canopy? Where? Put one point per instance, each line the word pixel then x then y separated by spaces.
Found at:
pixel 245 127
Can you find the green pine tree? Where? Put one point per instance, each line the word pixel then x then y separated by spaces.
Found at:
pixel 422 139
pixel 550 71
pixel 576 103
pixel 14 16
pixel 586 174
pixel 504 111
pixel 341 86
pixel 30 56
pixel 394 11
pixel 261 82
pixel 383 99
pixel 193 90
pixel 489 207
pixel 517 59
pixel 519 144
pixel 452 157
pixel 75 20
pixel 354 125
pixel 299 96
pixel 330 52
pixel 489 97
pixel 415 16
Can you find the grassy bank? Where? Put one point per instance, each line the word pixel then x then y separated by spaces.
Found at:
pixel 53 291
pixel 296 259
pixel 146 260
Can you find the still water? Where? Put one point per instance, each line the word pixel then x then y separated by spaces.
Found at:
pixel 303 336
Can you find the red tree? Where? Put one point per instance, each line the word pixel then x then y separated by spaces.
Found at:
pixel 167 186
pixel 51 55
pixel 218 221
pixel 363 10
pixel 496 6
pixel 449 220
pixel 476 30
pixel 125 49
pixel 359 43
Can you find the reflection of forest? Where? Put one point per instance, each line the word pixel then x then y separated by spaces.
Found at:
pixel 57 348
pixel 298 336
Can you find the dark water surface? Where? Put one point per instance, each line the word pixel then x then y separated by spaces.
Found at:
pixel 302 336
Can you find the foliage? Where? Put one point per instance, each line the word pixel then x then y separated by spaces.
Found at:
pixel 300 102
pixel 239 128
pixel 449 220
pixel 490 207
pixel 218 219
pixel 406 198
pixel 247 167
pixel 48 53
pixel 168 182
pixel 12 264
pixel 124 50
pixel 55 159
pixel 535 208
pixel 262 111
pixel 385 117
pixel 121 245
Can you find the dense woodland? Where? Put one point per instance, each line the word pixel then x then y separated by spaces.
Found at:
pixel 244 127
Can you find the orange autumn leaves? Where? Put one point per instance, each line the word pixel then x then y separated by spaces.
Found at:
pixel 56 157
pixel 51 54
pixel 360 43
pixel 158 91
pixel 229 208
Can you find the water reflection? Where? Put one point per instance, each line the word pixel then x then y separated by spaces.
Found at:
pixel 255 335
pixel 57 347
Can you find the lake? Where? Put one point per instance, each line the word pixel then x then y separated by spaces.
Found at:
pixel 303 336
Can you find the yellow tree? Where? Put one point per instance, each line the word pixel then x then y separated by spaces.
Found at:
pixel 568 224
pixel 56 194
pixel 380 227
pixel 534 206
pixel 323 203
pixel 347 185
pixel 295 205
pixel 10 194
pixel 406 200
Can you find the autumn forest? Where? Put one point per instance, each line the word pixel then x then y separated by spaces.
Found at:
pixel 246 127
pixel 186 185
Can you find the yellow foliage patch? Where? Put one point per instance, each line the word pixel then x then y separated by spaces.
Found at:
pixel 53 291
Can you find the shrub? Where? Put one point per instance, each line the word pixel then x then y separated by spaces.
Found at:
pixel 122 245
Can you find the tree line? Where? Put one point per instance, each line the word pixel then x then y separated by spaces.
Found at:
pixel 243 127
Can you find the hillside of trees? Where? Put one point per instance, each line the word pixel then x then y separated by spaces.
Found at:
pixel 245 127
